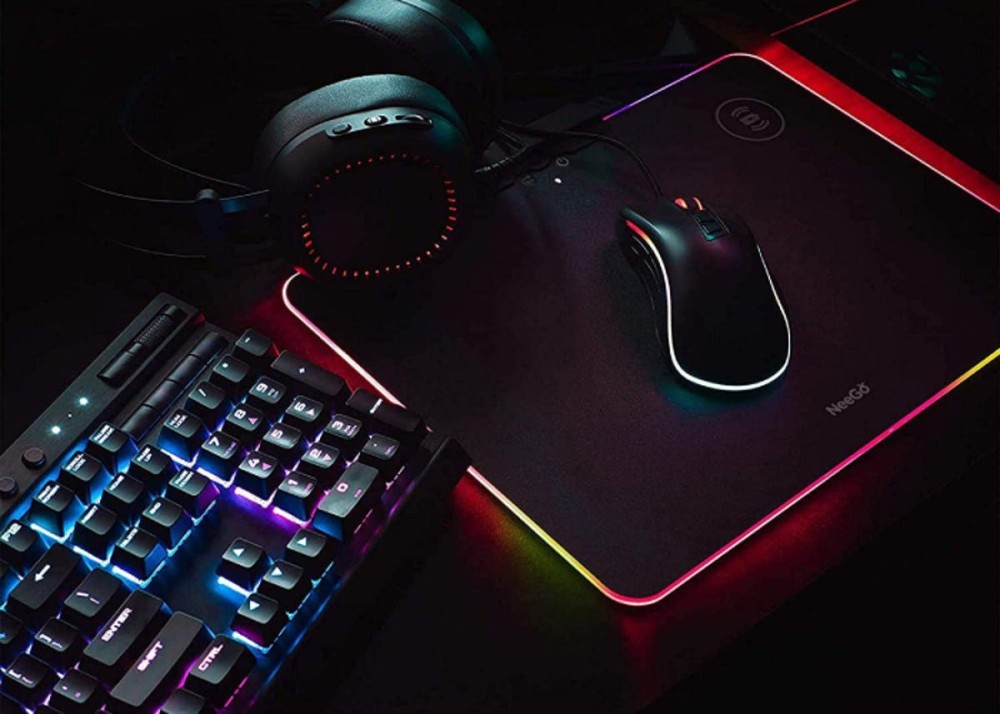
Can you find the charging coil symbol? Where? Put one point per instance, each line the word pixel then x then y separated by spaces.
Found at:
pixel 749 119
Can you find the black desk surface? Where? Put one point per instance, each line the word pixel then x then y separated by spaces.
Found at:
pixel 492 620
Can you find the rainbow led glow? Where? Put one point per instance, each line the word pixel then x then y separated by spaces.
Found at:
pixel 859 109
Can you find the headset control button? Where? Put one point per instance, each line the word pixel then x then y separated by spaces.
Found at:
pixel 376 120
pixel 338 129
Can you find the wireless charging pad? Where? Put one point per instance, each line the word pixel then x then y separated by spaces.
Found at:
pixel 534 344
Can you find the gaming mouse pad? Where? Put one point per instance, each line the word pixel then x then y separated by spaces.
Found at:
pixel 534 344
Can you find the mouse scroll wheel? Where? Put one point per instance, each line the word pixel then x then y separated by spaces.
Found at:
pixel 710 224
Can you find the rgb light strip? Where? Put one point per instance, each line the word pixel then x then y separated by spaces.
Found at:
pixel 874 119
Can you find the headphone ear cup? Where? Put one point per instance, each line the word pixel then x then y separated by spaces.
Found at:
pixel 433 40
pixel 368 179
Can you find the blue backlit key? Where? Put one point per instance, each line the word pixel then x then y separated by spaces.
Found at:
pixel 14 638
pixel 181 434
pixel 55 509
pixel 20 546
pixel 208 402
pixel 286 583
pixel 219 456
pixel 193 492
pixel 167 521
pixel 97 531
pixel 85 476
pixel 260 619
pixel 112 447
pixel 242 564
pixel 126 497
pixel 138 553
pixel 153 468
pixel 312 551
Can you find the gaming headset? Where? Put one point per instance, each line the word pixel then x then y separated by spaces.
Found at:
pixel 368 180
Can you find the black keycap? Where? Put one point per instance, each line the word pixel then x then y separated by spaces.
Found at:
pixel 388 418
pixel 268 395
pixel 91 603
pixel 311 551
pixel 304 414
pixel 38 596
pixel 20 546
pixel 119 641
pixel 193 492
pixel 167 521
pixel 231 374
pixel 97 530
pixel 382 453
pixel 245 424
pixel 258 475
pixel 28 680
pixel 243 563
pixel 186 370
pixel 315 381
pixel 345 433
pixel 220 669
pixel 14 637
pixel 323 463
pixel 77 693
pixel 55 509
pixel 209 346
pixel 140 421
pixel 287 583
pixel 297 495
pixel 153 468
pixel 184 701
pixel 112 447
pixel 208 402
pixel 284 442
pixel 125 497
pixel 124 365
pixel 219 456
pixel 160 666
pixel 260 619
pixel 254 348
pixel 348 502
pixel 181 434
pixel 138 553
pixel 58 643
pixel 85 476
pixel 163 396
pixel 8 579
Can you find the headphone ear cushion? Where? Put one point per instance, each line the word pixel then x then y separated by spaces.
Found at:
pixel 349 96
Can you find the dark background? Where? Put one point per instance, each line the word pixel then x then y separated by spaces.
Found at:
pixel 909 618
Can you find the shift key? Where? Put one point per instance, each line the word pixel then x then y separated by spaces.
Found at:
pixel 119 641
pixel 160 666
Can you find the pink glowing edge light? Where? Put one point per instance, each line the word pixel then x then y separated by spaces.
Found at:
pixel 767 519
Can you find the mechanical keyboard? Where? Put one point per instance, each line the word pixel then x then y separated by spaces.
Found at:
pixel 189 511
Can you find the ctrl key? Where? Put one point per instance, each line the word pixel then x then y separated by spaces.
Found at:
pixel 220 670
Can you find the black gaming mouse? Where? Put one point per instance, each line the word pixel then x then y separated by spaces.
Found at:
pixel 719 314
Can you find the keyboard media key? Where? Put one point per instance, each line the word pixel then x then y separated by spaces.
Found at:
pixel 209 346
pixel 268 395
pixel 38 596
pixel 184 701
pixel 20 546
pixel 258 474
pixel 120 639
pixel 260 619
pixel 208 402
pixel 219 456
pixel 243 564
pixel 163 396
pixel 55 509
pixel 29 680
pixel 315 381
pixel 388 418
pixel 138 553
pixel 97 531
pixel 245 424
pixel 343 509
pixel 182 434
pixel 286 583
pixel 254 347
pixel 312 551
pixel 126 497
pixel 231 374
pixel 58 644
pixel 112 447
pixel 77 693
pixel 193 492
pixel 297 495
pixel 284 442
pixel 186 370
pixel 160 666
pixel 323 463
pixel 140 421
pixel 153 468
pixel 91 603
pixel 304 414
pixel 14 637
pixel 219 670
pixel 167 521
pixel 85 476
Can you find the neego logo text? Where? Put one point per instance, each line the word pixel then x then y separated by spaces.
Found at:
pixel 852 396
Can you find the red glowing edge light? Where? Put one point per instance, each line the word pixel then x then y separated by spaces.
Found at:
pixel 800 71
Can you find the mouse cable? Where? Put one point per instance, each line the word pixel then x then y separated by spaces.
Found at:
pixel 620 145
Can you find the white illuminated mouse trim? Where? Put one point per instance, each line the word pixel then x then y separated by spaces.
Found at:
pixel 639 233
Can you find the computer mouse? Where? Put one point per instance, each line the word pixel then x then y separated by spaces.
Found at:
pixel 719 313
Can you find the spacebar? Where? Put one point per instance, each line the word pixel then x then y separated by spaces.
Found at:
pixel 160 665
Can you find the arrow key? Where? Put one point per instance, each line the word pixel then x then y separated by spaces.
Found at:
pixel 260 619
pixel 243 563
pixel 286 583
pixel 312 551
